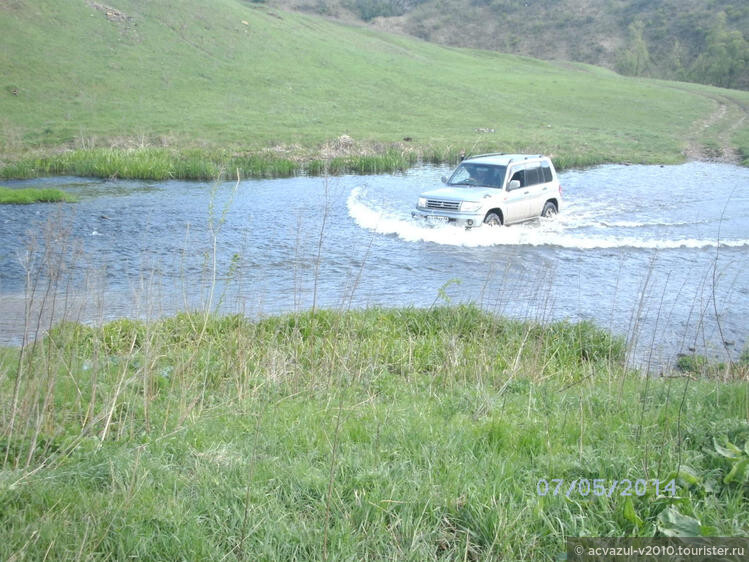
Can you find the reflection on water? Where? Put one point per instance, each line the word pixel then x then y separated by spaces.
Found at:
pixel 650 252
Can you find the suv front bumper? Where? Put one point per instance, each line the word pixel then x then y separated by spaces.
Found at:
pixel 467 220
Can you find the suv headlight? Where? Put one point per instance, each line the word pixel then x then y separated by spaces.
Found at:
pixel 422 202
pixel 470 206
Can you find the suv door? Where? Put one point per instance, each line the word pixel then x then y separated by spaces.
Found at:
pixel 515 199
pixel 525 199
pixel 538 186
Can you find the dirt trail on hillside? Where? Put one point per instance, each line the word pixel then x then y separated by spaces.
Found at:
pixel 719 147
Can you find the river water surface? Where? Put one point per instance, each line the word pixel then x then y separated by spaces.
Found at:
pixel 657 254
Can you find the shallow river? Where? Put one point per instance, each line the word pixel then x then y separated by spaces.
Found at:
pixel 655 253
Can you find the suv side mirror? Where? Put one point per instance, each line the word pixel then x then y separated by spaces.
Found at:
pixel 514 184
pixel 444 179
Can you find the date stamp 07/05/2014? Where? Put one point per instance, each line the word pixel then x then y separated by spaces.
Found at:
pixel 602 487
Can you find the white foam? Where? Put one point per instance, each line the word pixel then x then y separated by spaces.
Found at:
pixel 561 231
pixel 641 224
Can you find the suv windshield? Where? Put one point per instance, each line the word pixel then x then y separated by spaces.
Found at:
pixel 484 175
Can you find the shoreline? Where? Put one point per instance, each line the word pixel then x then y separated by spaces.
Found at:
pixel 81 314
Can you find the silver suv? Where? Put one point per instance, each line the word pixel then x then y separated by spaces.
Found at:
pixel 494 189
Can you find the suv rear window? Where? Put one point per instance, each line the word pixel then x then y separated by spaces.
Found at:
pixel 546 170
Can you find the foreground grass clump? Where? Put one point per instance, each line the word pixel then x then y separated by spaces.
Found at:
pixel 380 434
pixel 10 196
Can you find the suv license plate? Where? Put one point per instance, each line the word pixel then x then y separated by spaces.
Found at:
pixel 437 218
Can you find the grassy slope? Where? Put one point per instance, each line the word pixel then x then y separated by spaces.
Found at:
pixel 402 434
pixel 194 76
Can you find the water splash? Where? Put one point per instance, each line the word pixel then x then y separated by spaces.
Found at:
pixel 574 228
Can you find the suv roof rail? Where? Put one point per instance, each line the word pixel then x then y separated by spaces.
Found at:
pixel 525 157
pixel 482 155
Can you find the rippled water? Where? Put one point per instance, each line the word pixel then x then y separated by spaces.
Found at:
pixel 653 253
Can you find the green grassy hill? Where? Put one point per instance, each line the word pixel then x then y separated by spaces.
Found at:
pixel 237 78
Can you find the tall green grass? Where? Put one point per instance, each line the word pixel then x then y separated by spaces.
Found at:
pixel 383 434
pixel 149 164
pixel 161 164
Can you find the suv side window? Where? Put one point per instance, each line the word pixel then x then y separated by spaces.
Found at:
pixel 546 171
pixel 532 176
pixel 518 175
